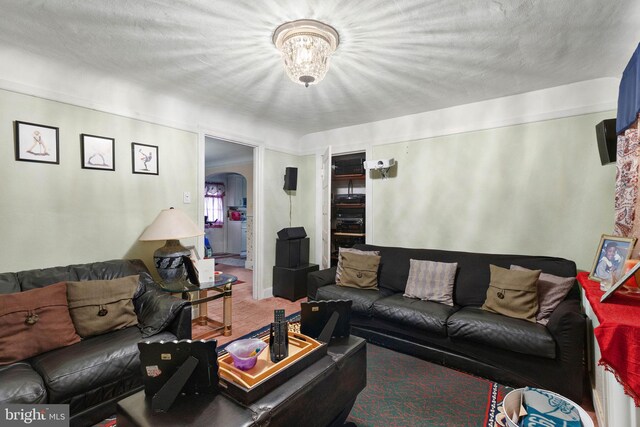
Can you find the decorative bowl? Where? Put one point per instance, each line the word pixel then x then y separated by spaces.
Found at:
pixel 245 352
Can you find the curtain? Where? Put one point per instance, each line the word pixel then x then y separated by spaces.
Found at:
pixel 214 204
pixel 626 199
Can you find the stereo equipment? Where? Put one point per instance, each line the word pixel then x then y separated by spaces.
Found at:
pixel 347 241
pixel 350 225
pixel 353 166
pixel 349 199
pixel 350 213
pixel 292 253
pixel 292 233
pixel 290 179
pixel 607 140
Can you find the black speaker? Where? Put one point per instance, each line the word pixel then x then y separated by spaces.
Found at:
pixel 292 233
pixel 607 140
pixel 292 253
pixel 291 179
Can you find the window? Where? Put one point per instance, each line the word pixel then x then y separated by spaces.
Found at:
pixel 214 204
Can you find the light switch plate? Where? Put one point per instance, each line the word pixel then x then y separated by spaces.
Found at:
pixel 186 197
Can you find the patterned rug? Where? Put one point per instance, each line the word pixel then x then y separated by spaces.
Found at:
pixel 235 262
pixel 403 390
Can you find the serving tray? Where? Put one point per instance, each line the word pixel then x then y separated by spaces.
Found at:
pixel 248 386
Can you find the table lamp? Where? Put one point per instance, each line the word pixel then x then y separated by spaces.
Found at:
pixel 171 225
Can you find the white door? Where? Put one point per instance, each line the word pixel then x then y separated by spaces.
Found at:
pixel 326 208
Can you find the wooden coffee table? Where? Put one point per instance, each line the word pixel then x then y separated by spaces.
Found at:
pixel 320 395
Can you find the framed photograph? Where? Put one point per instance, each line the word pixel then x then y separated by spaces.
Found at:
pixel 36 143
pixel 97 152
pixel 144 158
pixel 610 257
pixel 632 272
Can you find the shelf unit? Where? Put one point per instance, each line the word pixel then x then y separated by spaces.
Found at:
pixel 342 213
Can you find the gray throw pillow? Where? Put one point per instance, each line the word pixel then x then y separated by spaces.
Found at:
pixel 431 281
pixel 341 251
pixel 551 291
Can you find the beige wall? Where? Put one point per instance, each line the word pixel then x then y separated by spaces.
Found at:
pixel 535 188
pixel 276 216
pixel 62 214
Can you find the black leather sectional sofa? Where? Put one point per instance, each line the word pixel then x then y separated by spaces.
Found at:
pixel 93 374
pixel 510 351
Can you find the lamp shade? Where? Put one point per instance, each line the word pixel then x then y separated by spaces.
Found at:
pixel 171 224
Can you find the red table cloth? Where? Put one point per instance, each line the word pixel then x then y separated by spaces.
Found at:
pixel 618 334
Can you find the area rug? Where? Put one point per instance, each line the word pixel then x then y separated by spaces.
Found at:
pixel 403 390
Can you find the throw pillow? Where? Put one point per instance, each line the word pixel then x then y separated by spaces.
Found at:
pixel 155 307
pixel 431 281
pixel 359 271
pixel 551 291
pixel 513 293
pixel 99 306
pixel 351 251
pixel 34 321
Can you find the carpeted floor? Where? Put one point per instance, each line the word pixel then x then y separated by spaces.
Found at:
pixel 235 262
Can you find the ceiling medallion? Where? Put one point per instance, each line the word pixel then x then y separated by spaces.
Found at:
pixel 306 46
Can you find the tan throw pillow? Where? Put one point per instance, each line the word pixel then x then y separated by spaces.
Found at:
pixel 352 251
pixel 513 293
pixel 99 306
pixel 359 271
pixel 551 291
pixel 34 321
pixel 431 281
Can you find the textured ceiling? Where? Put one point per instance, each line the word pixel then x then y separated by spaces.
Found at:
pixel 395 57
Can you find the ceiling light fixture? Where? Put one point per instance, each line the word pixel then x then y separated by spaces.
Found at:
pixel 306 46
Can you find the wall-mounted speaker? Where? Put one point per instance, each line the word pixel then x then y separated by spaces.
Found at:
pixel 291 179
pixel 607 140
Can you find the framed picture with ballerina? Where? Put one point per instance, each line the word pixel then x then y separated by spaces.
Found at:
pixel 144 158
pixel 97 152
pixel 36 143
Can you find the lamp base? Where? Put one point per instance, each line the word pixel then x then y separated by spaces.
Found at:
pixel 168 261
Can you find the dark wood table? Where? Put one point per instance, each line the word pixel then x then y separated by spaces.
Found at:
pixel 321 395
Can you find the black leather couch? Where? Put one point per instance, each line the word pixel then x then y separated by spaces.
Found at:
pixel 92 375
pixel 510 351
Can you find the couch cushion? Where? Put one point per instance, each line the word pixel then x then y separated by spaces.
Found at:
pixel 101 362
pixel 99 306
pixel 513 293
pixel 353 251
pixel 21 384
pixel 33 322
pixel 431 281
pixel 551 291
pixel 103 270
pixel 501 332
pixel 414 313
pixel 472 278
pixel 363 299
pixel 359 271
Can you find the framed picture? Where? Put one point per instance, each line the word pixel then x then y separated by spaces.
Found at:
pixel 610 257
pixel 97 152
pixel 632 272
pixel 36 143
pixel 144 158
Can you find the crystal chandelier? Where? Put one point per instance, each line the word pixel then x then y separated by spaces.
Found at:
pixel 306 45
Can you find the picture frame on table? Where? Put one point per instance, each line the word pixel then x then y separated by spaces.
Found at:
pixel 36 143
pixel 97 152
pixel 611 255
pixel 144 159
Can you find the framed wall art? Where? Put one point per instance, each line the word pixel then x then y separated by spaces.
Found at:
pixel 97 152
pixel 36 143
pixel 144 158
pixel 611 254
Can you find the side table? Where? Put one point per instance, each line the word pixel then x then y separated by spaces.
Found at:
pixel 222 288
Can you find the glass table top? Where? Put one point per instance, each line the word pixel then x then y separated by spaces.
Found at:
pixel 185 286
